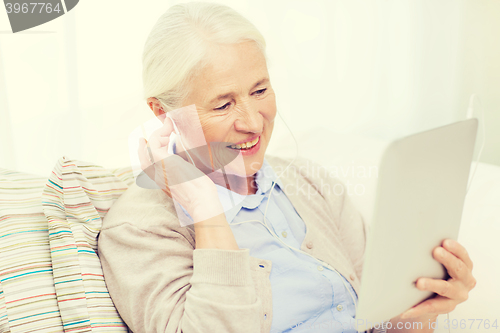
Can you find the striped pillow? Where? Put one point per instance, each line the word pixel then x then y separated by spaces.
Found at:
pixel 50 275
pixel 75 199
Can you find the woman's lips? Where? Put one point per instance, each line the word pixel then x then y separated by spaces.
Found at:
pixel 251 151
pixel 248 140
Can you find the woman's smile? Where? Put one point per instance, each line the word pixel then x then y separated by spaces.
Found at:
pixel 248 148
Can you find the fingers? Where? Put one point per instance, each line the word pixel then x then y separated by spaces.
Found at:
pixel 458 250
pixel 159 138
pixel 157 147
pixel 189 126
pixel 436 305
pixel 456 268
pixel 449 292
pixel 164 140
pixel 167 128
pixel 452 290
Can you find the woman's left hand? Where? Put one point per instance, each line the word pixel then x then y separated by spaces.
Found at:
pixel 449 292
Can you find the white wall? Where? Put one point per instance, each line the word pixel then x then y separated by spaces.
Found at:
pixel 480 67
pixel 381 68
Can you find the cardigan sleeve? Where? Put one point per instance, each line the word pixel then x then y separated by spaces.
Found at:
pixel 158 283
pixel 353 230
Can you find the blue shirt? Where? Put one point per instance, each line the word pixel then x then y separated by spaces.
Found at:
pixel 307 296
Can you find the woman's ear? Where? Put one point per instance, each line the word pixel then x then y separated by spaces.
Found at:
pixel 154 104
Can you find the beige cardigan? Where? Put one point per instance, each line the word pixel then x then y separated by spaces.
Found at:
pixel 159 282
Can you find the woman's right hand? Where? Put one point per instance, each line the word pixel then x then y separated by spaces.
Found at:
pixel 179 179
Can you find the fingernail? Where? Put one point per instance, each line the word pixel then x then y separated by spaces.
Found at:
pixel 448 243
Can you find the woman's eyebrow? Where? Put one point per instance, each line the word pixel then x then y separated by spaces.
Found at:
pixel 261 81
pixel 226 95
pixel 222 96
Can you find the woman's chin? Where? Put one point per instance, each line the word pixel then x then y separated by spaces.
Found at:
pixel 239 173
pixel 243 168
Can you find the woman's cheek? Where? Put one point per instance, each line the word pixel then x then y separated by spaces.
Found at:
pixel 213 129
pixel 269 107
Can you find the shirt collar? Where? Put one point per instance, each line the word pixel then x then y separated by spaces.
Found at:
pixel 232 202
pixel 265 178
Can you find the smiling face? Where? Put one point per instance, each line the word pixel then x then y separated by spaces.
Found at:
pixel 235 102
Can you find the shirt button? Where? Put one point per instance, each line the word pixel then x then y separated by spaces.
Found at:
pixel 320 268
pixel 340 307
pixel 284 234
pixel 352 277
pixel 309 245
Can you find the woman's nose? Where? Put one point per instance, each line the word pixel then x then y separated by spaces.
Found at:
pixel 249 119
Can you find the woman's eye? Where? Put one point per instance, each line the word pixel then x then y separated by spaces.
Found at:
pixel 224 107
pixel 260 92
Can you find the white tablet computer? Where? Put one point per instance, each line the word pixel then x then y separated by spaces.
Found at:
pixel 419 199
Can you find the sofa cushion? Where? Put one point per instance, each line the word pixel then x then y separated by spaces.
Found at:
pixel 76 197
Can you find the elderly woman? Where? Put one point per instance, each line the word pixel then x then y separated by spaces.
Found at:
pixel 248 261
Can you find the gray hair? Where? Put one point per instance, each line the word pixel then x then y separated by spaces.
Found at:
pixel 179 43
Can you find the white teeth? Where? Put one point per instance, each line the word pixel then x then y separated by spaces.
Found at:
pixel 246 145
